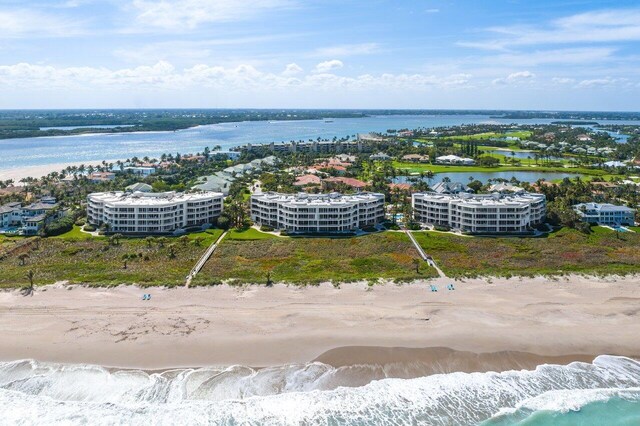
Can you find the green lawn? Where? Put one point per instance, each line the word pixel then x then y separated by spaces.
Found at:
pixel 439 168
pixel 208 237
pixel 490 135
pixel 250 234
pixel 75 234
pixel 387 255
pixel 565 251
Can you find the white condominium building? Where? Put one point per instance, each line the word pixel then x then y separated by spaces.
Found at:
pixel 152 212
pixel 308 213
pixel 606 214
pixel 485 213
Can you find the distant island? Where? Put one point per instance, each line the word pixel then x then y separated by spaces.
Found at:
pixel 39 123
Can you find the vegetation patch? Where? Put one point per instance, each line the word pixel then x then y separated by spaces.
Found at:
pixel 104 261
pixel 562 252
pixel 388 255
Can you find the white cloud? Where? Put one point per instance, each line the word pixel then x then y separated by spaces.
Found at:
pixel 164 76
pixel 25 23
pixel 515 78
pixel 596 82
pixel 347 50
pixel 590 27
pixel 563 80
pixel 292 69
pixel 326 66
pixel 189 14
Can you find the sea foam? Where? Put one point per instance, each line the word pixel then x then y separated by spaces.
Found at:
pixel 33 392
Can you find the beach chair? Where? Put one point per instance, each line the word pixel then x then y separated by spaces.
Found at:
pixel 149 296
pixel 434 288
pixel 144 297
pixel 451 287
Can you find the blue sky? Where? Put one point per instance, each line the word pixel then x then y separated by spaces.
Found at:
pixel 502 54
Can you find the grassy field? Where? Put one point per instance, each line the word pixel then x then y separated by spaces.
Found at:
pixel 250 234
pixel 311 260
pixel 565 251
pixel 491 135
pixel 439 168
pixel 80 258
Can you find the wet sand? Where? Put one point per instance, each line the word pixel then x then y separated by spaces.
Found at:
pixel 525 321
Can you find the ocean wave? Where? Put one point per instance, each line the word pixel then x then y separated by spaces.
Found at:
pixel 315 393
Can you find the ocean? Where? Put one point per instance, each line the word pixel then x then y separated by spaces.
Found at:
pixel 606 391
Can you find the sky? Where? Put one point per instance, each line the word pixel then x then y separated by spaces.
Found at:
pixel 418 54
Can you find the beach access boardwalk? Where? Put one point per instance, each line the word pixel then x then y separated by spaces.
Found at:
pixel 424 255
pixel 207 254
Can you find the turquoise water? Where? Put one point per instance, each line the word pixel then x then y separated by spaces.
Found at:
pixel 616 411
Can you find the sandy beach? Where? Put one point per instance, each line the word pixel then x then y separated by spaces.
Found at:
pixel 573 318
pixel 18 173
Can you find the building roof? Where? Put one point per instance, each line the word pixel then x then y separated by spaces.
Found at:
pixel 40 206
pixel 333 199
pixel 450 188
pixel 479 200
pixel 602 207
pixel 139 187
pixel 354 183
pixel 149 198
pixel 307 180
pixel 505 187
pixel 415 157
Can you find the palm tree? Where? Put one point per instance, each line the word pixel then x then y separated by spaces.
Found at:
pixel 416 263
pixel 30 289
pixel 23 259
pixel 269 282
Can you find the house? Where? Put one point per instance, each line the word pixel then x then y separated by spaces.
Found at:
pixel 381 156
pixel 584 138
pixel 306 180
pixel 450 188
pixel 31 218
pixel 102 176
pixel 139 187
pixel 356 184
pixel 454 159
pixel 605 214
pixel 194 158
pixel 416 158
pixel 10 215
pixel 612 164
pixel 140 170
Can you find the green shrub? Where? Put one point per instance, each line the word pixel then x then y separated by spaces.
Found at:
pixel 89 228
pixel 266 228
pixel 59 226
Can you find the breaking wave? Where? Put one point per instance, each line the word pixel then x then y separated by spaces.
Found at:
pixel 35 393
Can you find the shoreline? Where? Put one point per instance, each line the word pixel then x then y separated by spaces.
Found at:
pixel 573 317
pixel 17 173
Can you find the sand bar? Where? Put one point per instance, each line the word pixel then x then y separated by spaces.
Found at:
pixel 573 317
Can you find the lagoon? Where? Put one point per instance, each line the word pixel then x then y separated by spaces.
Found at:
pixel 93 148
pixel 484 177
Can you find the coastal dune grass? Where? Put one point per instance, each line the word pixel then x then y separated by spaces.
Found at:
pixel 562 252
pixel 82 259
pixel 388 255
